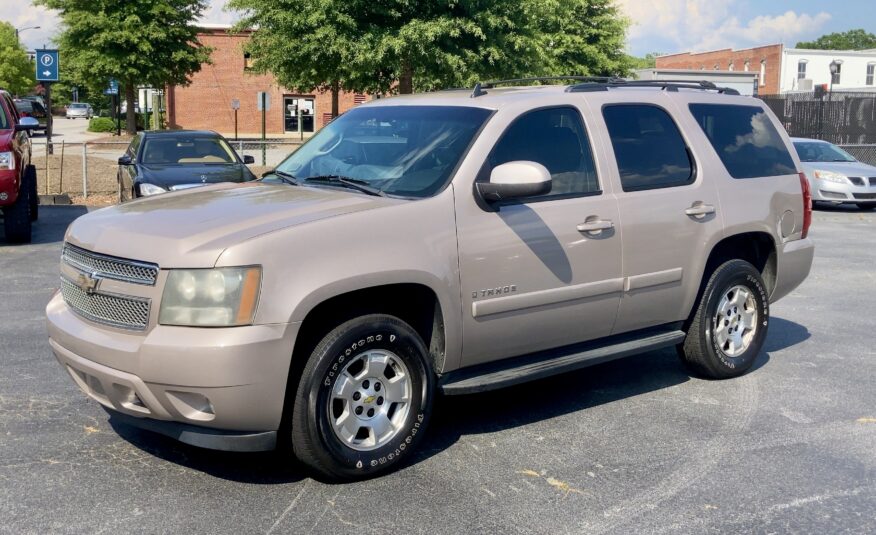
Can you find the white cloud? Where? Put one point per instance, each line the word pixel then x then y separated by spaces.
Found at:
pixel 709 24
pixel 21 14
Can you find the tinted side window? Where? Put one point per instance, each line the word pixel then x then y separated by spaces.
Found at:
pixel 556 139
pixel 648 147
pixel 745 139
pixel 134 146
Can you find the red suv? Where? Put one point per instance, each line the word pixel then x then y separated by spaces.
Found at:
pixel 18 194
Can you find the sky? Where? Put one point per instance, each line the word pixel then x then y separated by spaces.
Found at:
pixel 664 26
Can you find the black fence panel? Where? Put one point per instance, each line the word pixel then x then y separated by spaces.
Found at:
pixel 839 117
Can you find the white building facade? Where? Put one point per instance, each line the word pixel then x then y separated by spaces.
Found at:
pixel 802 70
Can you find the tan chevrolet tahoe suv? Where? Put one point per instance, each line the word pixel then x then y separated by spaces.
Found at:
pixel 449 242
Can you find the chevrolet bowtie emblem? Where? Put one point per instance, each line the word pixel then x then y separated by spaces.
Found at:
pixel 88 282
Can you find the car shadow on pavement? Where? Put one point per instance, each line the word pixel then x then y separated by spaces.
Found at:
pixel 473 414
pixel 51 226
pixel 266 468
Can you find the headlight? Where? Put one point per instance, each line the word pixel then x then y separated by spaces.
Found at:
pixel 830 176
pixel 220 297
pixel 7 161
pixel 150 189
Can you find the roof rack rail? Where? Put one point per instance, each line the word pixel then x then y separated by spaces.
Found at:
pixel 481 87
pixel 666 85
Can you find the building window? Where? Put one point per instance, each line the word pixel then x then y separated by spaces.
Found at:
pixel 731 67
pixel 716 67
pixel 358 99
pixel 247 61
pixel 801 69
pixel 871 70
pixel 836 76
pixel 763 72
pixel 747 65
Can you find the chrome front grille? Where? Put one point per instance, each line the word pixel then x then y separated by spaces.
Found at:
pixel 109 267
pixel 124 312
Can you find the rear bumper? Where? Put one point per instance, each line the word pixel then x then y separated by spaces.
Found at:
pixel 793 265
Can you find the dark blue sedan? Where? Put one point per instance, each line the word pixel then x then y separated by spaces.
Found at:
pixel 162 161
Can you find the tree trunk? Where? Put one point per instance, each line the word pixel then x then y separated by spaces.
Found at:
pixel 406 79
pixel 335 94
pixel 131 112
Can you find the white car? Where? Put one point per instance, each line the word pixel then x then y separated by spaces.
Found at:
pixel 77 110
pixel 835 176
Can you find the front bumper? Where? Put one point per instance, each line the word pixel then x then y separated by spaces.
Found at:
pixel 221 382
pixel 827 191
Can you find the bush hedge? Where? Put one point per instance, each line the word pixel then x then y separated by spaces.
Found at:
pixel 101 124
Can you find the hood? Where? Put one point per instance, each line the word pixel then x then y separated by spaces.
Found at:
pixel 845 168
pixel 191 228
pixel 172 175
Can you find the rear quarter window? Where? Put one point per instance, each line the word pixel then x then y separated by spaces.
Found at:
pixel 745 139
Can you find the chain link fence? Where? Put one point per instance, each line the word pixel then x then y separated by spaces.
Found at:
pixel 863 153
pixel 90 169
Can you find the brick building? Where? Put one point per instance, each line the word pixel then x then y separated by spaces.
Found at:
pixel 206 103
pixel 766 61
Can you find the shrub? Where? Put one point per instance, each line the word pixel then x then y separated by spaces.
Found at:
pixel 101 124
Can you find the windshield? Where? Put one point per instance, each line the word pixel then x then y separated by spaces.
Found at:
pixel 186 150
pixel 810 151
pixel 75 105
pixel 408 151
pixel 24 105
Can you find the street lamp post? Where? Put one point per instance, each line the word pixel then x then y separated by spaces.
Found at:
pixel 19 30
pixel 834 68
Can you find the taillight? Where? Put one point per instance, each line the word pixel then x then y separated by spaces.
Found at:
pixel 807 204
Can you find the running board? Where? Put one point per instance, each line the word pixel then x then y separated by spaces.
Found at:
pixel 500 374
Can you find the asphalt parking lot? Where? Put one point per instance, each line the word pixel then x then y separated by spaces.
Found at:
pixel 633 446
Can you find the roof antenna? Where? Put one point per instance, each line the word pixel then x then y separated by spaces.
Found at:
pixel 477 91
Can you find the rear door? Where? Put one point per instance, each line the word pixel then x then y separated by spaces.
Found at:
pixel 668 206
pixel 531 280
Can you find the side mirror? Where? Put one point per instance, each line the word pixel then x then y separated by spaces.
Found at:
pixel 515 179
pixel 27 123
pixel 125 160
pixel 248 159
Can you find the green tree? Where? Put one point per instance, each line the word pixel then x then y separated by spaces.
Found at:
pixel 649 61
pixel 859 39
pixel 305 44
pixel 402 45
pixel 16 70
pixel 138 42
pixel 584 37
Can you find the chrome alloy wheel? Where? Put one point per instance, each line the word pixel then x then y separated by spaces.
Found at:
pixel 735 322
pixel 370 400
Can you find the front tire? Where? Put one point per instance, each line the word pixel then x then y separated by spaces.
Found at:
pixel 16 218
pixel 364 399
pixel 729 324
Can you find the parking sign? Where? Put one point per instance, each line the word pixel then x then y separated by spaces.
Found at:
pixel 47 65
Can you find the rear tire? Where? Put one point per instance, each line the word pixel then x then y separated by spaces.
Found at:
pixel 729 324
pixel 364 399
pixel 866 206
pixel 30 178
pixel 16 218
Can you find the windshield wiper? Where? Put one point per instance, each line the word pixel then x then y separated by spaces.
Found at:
pixel 284 176
pixel 353 183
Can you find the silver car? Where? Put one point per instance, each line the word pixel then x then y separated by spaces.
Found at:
pixel 835 176
pixel 79 110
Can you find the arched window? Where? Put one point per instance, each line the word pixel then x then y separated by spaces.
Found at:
pixel 731 67
pixel 763 72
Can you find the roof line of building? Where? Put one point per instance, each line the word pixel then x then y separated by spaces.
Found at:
pixel 720 50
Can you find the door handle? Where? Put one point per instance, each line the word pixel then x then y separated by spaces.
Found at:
pixel 594 225
pixel 700 210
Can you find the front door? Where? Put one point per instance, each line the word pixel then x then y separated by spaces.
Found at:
pixel 298 114
pixel 533 277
